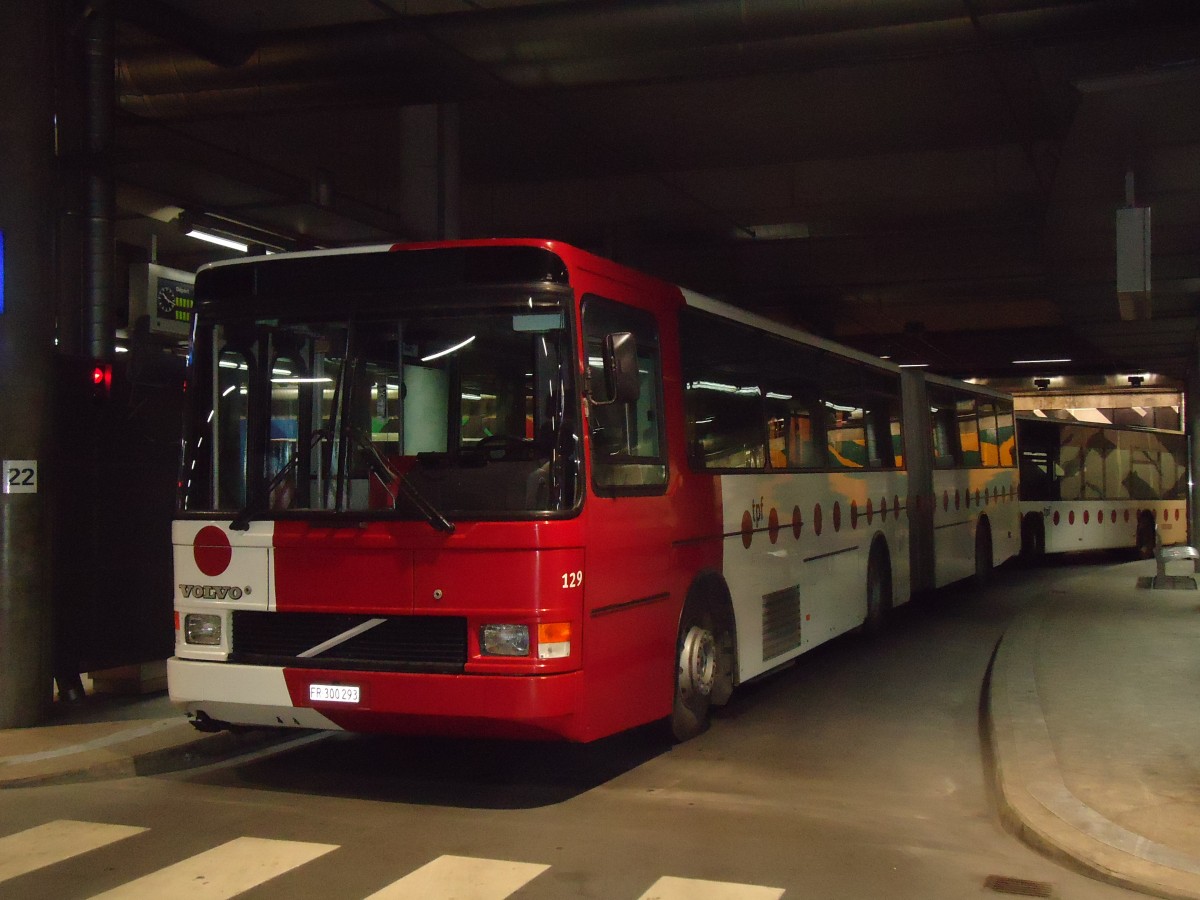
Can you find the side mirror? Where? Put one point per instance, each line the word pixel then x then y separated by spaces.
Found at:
pixel 620 370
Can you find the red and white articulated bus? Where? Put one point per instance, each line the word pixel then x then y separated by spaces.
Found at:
pixel 508 488
pixel 1093 486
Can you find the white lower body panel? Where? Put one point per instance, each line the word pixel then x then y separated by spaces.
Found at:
pixel 248 695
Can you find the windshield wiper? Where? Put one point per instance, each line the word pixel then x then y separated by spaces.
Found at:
pixel 241 522
pixel 388 476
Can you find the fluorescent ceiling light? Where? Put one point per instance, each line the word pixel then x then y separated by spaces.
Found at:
pixel 300 379
pixel 1037 362
pixel 914 365
pixel 777 231
pixel 219 240
pixel 448 350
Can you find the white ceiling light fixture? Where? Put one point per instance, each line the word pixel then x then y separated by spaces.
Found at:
pixel 219 240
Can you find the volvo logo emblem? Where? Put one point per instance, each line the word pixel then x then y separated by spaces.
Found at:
pixel 212 592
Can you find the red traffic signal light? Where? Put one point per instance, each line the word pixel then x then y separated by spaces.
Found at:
pixel 101 379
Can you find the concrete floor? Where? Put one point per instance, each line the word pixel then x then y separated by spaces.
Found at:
pixel 857 773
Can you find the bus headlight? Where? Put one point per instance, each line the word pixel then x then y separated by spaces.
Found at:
pixel 202 628
pixel 504 640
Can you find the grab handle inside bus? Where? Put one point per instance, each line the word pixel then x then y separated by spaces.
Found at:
pixel 620 370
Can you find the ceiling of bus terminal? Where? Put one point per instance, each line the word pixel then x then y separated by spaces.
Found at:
pixel 933 180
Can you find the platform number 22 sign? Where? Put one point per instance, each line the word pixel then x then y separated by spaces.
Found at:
pixel 20 476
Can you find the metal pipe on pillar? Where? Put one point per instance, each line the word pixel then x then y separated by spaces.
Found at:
pixel 98 262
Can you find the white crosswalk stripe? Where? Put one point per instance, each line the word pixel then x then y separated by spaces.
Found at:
pixel 461 878
pixel 224 871
pixel 671 888
pixel 246 862
pixel 45 845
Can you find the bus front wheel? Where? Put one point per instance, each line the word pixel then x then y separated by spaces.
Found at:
pixel 696 669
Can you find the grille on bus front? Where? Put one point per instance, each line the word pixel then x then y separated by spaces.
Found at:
pixel 398 644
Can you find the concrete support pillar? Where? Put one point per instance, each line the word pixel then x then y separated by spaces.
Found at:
pixel 429 159
pixel 27 206
pixel 1191 405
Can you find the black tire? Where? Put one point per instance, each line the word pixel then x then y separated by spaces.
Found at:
pixel 879 591
pixel 697 663
pixel 983 553
pixel 1033 536
pixel 1147 534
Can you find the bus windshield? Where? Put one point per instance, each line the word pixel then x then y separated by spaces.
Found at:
pixel 435 416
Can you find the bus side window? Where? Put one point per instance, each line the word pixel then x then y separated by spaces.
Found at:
pixel 627 438
pixel 968 432
pixel 946 449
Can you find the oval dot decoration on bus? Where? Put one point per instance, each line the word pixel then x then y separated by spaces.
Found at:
pixel 773 525
pixel 817 520
pixel 837 516
pixel 797 522
pixel 747 529
pixel 211 550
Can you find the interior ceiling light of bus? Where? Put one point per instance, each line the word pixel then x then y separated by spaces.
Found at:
pixel 448 350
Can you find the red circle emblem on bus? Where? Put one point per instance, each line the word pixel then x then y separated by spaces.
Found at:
pixel 817 519
pixel 747 529
pixel 837 515
pixel 211 550
pixel 773 525
pixel 797 522
pixel 1071 517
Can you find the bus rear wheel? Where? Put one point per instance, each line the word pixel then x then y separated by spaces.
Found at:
pixel 696 668
pixel 983 553
pixel 879 591
pixel 1147 533
pixel 1033 536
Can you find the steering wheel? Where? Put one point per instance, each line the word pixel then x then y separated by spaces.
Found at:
pixel 498 446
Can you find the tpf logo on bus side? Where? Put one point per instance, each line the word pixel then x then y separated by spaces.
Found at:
pixel 212 592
